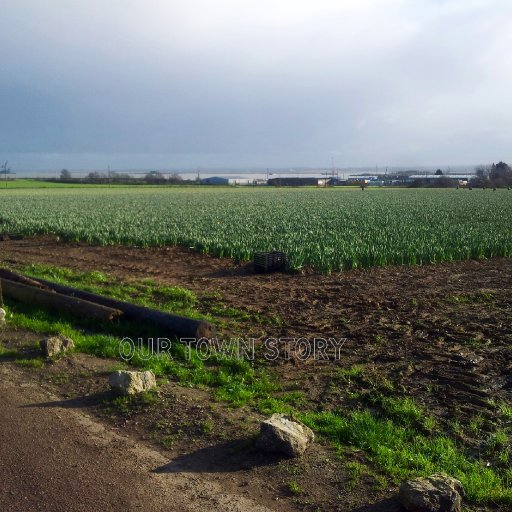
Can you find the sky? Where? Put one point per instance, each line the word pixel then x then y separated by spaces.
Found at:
pixel 254 83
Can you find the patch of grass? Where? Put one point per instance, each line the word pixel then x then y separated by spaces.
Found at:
pixel 381 340
pixel 505 411
pixel 477 342
pixel 460 299
pixel 475 424
pixel 169 440
pixel 232 379
pixel 403 453
pixel 30 363
pixel 355 472
pixel 485 296
pixel 377 381
pixel 206 426
pixel 504 457
pixel 21 357
pixel 346 374
pixel 129 404
pixel 144 293
pixel 295 488
pixel 480 296
pixel 497 440
pixel 28 183
pixel 8 352
pixel 173 295
pixel 455 427
pixel 149 293
pixel 271 405
pixel 429 423
pixel 404 410
pixel 273 319
pixel 285 403
pixel 229 312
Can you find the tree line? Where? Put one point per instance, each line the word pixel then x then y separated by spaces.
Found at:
pixel 491 176
pixel 494 176
pixel 150 178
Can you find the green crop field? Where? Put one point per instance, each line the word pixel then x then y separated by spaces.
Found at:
pixel 327 229
pixel 30 183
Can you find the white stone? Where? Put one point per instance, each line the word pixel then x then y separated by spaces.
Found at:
pixel 130 383
pixel 436 493
pixel 56 345
pixel 281 434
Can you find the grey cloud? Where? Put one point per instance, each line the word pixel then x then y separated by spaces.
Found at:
pixel 251 83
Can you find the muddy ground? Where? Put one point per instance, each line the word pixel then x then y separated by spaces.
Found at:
pixel 440 334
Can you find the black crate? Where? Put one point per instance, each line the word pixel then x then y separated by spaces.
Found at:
pixel 269 261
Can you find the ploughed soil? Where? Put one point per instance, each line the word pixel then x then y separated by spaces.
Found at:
pixel 439 333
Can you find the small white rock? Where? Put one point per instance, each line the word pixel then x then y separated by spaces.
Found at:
pixel 2 316
pixel 439 493
pixel 130 383
pixel 56 345
pixel 282 434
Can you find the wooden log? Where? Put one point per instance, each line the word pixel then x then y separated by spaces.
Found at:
pixel 171 324
pixel 13 276
pixel 57 302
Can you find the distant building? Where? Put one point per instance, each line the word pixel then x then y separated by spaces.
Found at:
pixel 357 182
pixel 221 180
pixel 293 182
pixel 215 180
pixel 241 181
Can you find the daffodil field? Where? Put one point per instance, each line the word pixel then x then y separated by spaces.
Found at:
pixel 325 229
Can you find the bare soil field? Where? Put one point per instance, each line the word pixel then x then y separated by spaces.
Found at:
pixel 441 333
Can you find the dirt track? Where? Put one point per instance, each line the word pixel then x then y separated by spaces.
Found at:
pixel 54 458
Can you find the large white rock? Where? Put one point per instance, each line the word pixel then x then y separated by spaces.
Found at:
pixel 130 383
pixel 281 434
pixel 436 493
pixel 56 345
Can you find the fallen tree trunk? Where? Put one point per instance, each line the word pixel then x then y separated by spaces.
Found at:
pixel 13 276
pixel 179 326
pixel 58 302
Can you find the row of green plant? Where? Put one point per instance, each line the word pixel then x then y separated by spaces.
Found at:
pixel 327 229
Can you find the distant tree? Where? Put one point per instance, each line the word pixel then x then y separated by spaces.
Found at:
pixel 121 177
pixel 445 182
pixel 96 177
pixel 439 172
pixel 65 174
pixel 481 178
pixel 175 178
pixel 500 175
pixel 418 183
pixel 441 182
pixel 496 175
pixel 154 177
